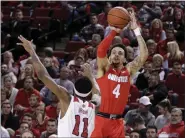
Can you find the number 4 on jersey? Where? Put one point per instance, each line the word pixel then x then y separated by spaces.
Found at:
pixel 116 91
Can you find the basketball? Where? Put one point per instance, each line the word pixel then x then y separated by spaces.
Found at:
pixel 118 17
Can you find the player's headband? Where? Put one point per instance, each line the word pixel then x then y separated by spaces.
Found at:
pixel 81 94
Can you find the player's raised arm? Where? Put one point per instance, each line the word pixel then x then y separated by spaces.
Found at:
pixel 139 61
pixel 102 60
pixel 42 73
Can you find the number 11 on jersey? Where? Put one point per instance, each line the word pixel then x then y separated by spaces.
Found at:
pixel 116 91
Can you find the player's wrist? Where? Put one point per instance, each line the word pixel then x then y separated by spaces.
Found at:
pixel 137 31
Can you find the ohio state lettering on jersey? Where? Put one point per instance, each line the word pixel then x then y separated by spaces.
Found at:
pixel 116 78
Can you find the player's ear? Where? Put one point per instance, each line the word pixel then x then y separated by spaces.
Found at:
pixel 110 59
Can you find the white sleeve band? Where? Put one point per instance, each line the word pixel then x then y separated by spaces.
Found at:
pixel 137 31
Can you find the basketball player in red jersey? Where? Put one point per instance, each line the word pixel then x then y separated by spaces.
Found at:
pixel 114 81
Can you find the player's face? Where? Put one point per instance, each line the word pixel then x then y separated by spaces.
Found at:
pixel 117 56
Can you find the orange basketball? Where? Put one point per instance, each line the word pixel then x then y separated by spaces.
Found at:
pixel 118 17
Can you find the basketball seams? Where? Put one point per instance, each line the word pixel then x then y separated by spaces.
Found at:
pixel 118 17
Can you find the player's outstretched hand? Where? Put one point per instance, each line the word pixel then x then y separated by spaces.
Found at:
pixel 86 70
pixel 133 22
pixel 28 45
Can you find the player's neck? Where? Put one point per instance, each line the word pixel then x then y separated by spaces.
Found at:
pixel 117 66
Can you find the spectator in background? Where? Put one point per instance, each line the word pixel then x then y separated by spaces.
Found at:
pixel 176 127
pixel 157 66
pixel 96 39
pixel 130 54
pixel 145 32
pixel 48 63
pixel 151 49
pixel 27 134
pixel 62 81
pixel 25 93
pixel 8 120
pixel 149 11
pixel 175 84
pixel 23 127
pixel 33 102
pixel 10 89
pixel 157 91
pixel 27 71
pixel 174 54
pixel 51 110
pixel 9 61
pixel 143 111
pixel 29 119
pixel 93 28
pixel 48 52
pixel 151 132
pixel 135 134
pixel 4 72
pixel 178 19
pixel 51 128
pixel 156 30
pixel 82 53
pixel 164 118
pixel 102 17
pixel 40 118
pixel 139 125
pixel 142 79
pixel 4 95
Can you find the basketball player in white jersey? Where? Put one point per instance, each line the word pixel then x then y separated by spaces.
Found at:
pixel 76 118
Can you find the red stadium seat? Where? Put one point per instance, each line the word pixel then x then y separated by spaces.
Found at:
pixel 44 12
pixel 74 46
pixel 60 13
pixel 43 21
pixel 6 10
pixel 26 18
pixel 59 54
pixel 6 18
pixel 25 10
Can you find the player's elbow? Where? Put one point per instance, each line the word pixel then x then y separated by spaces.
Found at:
pixel 101 53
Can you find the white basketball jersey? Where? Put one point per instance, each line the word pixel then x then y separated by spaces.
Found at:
pixel 78 120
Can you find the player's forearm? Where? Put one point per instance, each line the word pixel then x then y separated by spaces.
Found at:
pixel 143 48
pixel 105 44
pixel 39 67
pixel 95 87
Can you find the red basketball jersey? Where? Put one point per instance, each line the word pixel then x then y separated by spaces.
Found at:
pixel 114 87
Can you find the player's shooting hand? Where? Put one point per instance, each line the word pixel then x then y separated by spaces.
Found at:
pixel 118 30
pixel 28 45
pixel 133 22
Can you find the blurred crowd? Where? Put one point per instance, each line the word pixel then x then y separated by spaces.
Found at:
pixel 155 106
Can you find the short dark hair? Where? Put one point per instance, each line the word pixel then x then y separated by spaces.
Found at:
pixel 152 127
pixel 28 115
pixel 138 120
pixel 83 85
pixel 176 64
pixel 52 120
pixel 136 131
pixel 118 45
pixel 18 10
pixel 92 14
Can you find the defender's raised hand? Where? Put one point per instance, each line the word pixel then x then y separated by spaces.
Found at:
pixel 86 70
pixel 28 45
